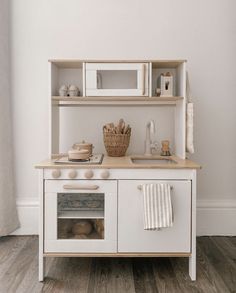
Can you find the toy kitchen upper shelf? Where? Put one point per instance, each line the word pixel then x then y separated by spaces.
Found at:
pixel 118 82
pixel 116 101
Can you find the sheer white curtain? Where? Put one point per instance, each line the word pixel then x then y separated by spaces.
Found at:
pixel 8 214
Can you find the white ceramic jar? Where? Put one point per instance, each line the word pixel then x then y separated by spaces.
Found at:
pixel 63 91
pixel 73 91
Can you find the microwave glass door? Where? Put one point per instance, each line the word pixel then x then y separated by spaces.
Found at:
pixel 117 79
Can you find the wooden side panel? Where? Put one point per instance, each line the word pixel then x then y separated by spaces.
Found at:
pixel 54 111
pixel 55 130
pixel 41 224
pixel 180 113
pixel 192 258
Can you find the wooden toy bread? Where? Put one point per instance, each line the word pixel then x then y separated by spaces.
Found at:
pixel 99 227
pixel 82 227
pixel 64 228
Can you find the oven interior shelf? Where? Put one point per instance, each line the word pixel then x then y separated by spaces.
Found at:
pixel 81 214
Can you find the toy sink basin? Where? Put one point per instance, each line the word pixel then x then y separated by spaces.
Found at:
pixel 145 160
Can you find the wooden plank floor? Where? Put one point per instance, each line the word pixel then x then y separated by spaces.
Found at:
pixel 216 270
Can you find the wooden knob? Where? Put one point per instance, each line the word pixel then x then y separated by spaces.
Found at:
pixel 105 174
pixel 88 174
pixel 72 174
pixel 56 173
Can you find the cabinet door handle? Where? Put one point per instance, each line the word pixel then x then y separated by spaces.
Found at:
pixel 143 79
pixel 80 187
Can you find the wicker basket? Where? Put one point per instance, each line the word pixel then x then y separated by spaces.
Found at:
pixel 116 144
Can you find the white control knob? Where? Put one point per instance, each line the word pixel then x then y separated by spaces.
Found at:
pixel 72 174
pixel 105 174
pixel 88 174
pixel 56 173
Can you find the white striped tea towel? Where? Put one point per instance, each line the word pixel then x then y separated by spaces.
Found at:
pixel 189 118
pixel 157 206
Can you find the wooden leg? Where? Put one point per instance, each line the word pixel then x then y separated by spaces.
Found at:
pixel 41 226
pixel 192 258
pixel 41 268
pixel 192 267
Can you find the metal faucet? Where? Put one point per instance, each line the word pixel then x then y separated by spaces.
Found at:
pixel 149 145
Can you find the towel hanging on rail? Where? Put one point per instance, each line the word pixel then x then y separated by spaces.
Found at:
pixel 189 118
pixel 157 206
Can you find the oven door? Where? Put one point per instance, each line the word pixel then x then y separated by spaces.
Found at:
pixel 80 216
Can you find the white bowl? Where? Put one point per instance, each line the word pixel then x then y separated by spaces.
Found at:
pixel 78 154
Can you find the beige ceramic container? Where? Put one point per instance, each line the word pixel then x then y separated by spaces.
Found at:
pixel 84 146
pixel 63 91
pixel 73 91
pixel 75 154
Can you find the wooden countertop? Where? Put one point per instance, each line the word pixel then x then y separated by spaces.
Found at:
pixel 124 163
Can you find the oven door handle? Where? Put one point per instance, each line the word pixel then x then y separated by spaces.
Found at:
pixel 80 186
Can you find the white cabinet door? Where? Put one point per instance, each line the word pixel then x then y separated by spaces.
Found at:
pixel 131 235
pixel 70 203
pixel 117 79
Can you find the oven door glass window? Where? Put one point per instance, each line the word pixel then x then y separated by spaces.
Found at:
pixel 80 216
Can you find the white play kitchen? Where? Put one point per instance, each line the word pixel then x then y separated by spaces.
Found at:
pixel 112 204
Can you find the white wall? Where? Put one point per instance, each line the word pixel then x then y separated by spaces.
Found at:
pixel 203 32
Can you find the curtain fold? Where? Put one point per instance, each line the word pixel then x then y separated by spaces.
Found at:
pixel 8 212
